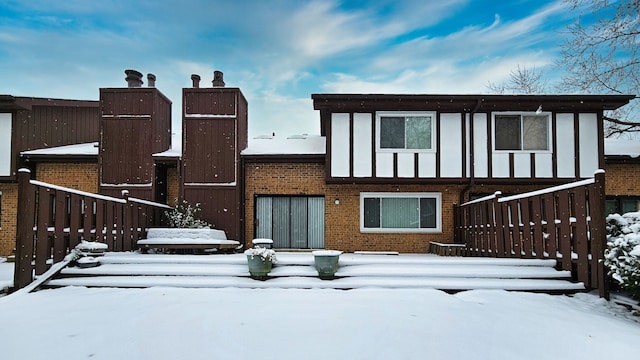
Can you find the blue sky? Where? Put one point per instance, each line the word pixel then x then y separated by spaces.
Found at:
pixel 278 52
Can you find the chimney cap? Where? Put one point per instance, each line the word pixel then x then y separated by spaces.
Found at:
pixel 195 79
pixel 151 80
pixel 134 78
pixel 218 80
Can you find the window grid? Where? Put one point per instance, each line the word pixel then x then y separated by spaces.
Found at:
pixel 527 132
pixel 400 212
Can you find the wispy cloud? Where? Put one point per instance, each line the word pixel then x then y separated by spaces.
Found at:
pixel 277 52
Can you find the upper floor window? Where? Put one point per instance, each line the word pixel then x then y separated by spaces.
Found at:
pixel 405 131
pixel 521 131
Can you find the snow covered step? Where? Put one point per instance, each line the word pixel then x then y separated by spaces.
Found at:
pixel 454 270
pixel 305 258
pixel 154 269
pixel 452 284
pixel 381 270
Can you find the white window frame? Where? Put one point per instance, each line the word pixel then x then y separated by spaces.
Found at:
pixel 432 114
pixel 436 195
pixel 521 114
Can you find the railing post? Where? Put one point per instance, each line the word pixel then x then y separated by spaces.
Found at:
pixel 126 222
pixel 599 234
pixel 499 225
pixel 23 271
pixel 456 224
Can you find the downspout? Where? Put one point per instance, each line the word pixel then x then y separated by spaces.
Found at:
pixel 472 179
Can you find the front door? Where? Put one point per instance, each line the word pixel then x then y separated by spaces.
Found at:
pixel 292 222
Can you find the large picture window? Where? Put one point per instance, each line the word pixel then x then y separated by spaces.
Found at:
pixel 521 132
pixel 400 212
pixel 405 131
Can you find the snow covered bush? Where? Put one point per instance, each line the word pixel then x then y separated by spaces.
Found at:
pixel 185 215
pixel 622 255
pixel 265 254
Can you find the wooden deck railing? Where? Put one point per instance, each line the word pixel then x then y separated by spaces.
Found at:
pixel 52 220
pixel 566 223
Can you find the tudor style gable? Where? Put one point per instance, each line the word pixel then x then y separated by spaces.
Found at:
pixel 454 138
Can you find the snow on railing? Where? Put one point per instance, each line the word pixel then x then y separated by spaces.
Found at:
pixel 564 219
pixel 54 219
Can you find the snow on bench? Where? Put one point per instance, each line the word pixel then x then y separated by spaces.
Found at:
pixel 173 238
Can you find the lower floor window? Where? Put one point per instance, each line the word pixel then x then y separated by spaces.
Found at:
pixel 622 204
pixel 400 212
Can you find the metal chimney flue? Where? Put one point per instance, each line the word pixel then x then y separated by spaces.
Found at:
pixel 218 80
pixel 151 80
pixel 195 79
pixel 134 78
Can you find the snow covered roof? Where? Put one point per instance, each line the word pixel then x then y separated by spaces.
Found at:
pixel 292 145
pixel 170 153
pixel 621 147
pixel 85 149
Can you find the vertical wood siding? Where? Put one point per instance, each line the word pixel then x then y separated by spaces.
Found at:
pixel 135 124
pixel 214 134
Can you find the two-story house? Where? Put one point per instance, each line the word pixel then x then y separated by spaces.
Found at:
pixel 383 175
pixel 395 165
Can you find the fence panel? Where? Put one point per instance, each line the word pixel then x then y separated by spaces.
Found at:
pixel 565 223
pixel 54 219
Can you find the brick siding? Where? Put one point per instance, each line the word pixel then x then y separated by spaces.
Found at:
pixel 79 176
pixel 9 207
pixel 622 179
pixel 279 179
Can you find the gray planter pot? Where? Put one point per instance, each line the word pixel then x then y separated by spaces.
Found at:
pixel 258 268
pixel 326 262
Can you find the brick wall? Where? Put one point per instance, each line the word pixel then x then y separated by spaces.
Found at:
pixel 8 216
pixel 279 179
pixel 173 186
pixel 622 179
pixel 343 219
pixel 79 176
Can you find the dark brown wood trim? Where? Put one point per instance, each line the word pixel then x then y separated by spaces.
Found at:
pixel 463 128
pixel 512 165
pixel 373 144
pixel 532 164
pixel 351 144
pixel 395 165
pixel 451 181
pixel 554 146
pixel 329 155
pixel 600 123
pixel 438 139
pixel 472 170
pixel 576 144
pixel 489 146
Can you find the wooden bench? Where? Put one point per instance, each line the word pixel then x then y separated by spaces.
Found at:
pixel 443 249
pixel 187 239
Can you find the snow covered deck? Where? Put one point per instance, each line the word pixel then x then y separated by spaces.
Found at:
pixel 296 270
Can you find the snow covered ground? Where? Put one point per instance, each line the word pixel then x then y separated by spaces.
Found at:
pixel 232 323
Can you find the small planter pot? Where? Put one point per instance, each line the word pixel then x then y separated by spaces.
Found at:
pixel 258 267
pixel 326 262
